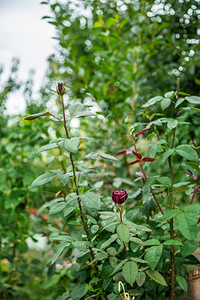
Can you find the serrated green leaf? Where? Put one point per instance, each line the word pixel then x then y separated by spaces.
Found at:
pixel 153 101
pixel 58 250
pixel 193 99
pixel 43 179
pixel 119 266
pixel 172 123
pixel 71 145
pixel 166 181
pixel 94 229
pixel 187 224
pixel 99 256
pixel 165 103
pixel 47 204
pixel 57 207
pixel 108 225
pixel 179 102
pixel 139 260
pixel 173 242
pixel 180 184
pixel 112 251
pixel 63 178
pixel 129 271
pixel 167 154
pixel 153 255
pixel 78 291
pixel 156 276
pixel 94 155
pixel 187 152
pixel 169 94
pixel 68 211
pixel 151 242
pixel 192 208
pixel 182 282
pixel 63 238
pixel 136 240
pixel 47 147
pixel 79 245
pixel 188 248
pixel 143 228
pixel 107 156
pixel 123 233
pixel 140 279
pixel 169 214
pixel 91 200
pixel 109 241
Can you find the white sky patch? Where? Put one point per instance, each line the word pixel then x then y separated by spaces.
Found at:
pixel 23 34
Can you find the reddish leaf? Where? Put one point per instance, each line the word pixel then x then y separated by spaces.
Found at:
pixel 121 152
pixel 125 151
pixel 148 159
pixel 139 156
pixel 134 162
pixel 189 171
pixel 191 174
pixel 141 132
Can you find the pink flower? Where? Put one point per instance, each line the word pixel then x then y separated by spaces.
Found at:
pixel 140 174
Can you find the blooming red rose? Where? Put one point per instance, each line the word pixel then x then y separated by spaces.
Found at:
pixel 119 196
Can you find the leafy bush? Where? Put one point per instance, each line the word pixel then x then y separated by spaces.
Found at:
pixel 150 236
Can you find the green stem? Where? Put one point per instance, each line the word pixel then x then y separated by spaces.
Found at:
pixel 172 250
pixel 76 184
pixel 171 223
pixel 121 210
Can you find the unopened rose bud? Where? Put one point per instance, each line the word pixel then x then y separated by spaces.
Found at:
pixel 61 89
pixel 119 196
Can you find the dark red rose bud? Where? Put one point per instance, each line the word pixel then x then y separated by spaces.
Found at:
pixel 61 89
pixel 119 196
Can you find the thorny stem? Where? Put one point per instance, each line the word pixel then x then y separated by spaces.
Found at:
pixel 171 223
pixel 76 184
pixel 121 210
pixel 172 250
pixel 154 196
pixel 61 161
pixel 194 193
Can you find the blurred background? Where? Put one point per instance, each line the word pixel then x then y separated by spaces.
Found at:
pixel 24 35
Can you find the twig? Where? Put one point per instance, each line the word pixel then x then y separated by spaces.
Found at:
pixel 194 193
pixel 76 184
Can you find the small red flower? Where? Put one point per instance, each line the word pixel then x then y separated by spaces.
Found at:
pixel 119 196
